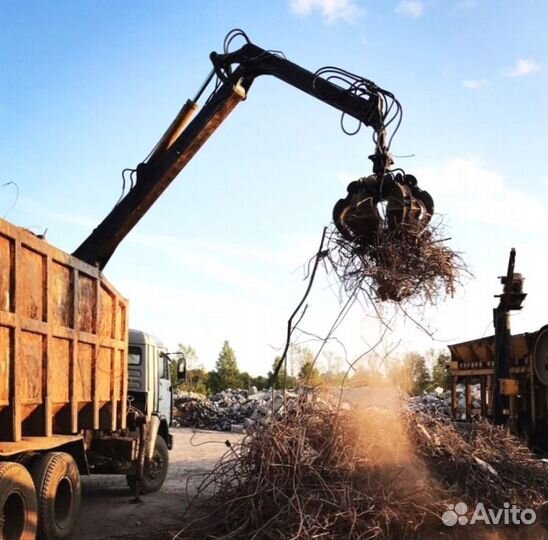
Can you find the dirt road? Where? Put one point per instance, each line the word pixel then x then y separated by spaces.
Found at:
pixel 106 510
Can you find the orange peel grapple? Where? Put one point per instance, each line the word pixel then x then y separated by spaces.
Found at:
pixel 390 201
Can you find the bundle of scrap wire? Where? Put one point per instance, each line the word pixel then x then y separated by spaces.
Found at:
pixel 480 462
pixel 398 264
pixel 318 472
pixel 330 473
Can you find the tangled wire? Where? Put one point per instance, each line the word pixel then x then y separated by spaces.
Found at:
pixel 482 463
pixel 326 472
pixel 399 265
pixel 316 473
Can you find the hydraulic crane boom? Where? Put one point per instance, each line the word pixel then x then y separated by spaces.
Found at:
pixel 235 74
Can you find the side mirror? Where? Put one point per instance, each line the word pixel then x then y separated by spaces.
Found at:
pixel 181 370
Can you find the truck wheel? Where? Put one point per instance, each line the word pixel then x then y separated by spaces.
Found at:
pixel 155 471
pixel 57 482
pixel 17 503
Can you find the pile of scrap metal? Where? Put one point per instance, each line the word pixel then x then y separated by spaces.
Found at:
pixel 229 410
pixel 327 472
pixel 479 461
pixel 315 473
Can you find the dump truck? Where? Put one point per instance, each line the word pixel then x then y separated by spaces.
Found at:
pixel 81 394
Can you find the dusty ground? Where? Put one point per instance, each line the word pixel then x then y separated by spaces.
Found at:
pixel 106 510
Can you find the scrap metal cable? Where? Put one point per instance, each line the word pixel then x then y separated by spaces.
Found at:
pixel 315 473
pixel 370 472
pixel 400 265
pixel 11 183
pixel 320 254
pixel 484 462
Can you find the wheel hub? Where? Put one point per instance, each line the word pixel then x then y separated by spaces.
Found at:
pixel 12 517
pixel 155 466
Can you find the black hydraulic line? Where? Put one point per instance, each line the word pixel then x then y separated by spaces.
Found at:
pixel 255 61
pixel 154 176
pixel 204 86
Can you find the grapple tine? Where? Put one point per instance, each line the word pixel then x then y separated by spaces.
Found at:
pixel 358 219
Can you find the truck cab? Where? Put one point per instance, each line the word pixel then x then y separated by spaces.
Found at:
pixel 149 379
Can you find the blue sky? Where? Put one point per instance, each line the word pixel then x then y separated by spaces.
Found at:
pixel 87 88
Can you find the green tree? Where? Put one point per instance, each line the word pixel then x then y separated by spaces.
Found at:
pixel 245 380
pixel 440 371
pixel 420 375
pixel 261 382
pixel 290 381
pixel 213 382
pixel 281 378
pixel 226 367
pixel 196 381
pixel 189 353
pixel 282 373
pixel 411 374
pixel 309 375
pixel 399 374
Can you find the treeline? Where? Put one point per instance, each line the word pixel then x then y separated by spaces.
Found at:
pixel 414 373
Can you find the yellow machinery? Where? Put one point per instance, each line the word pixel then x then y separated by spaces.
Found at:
pixel 473 367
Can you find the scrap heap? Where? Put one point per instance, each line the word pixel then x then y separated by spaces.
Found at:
pixel 327 472
pixel 230 410
pixel 316 473
pixel 479 461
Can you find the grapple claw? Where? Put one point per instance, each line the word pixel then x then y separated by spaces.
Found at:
pixel 388 202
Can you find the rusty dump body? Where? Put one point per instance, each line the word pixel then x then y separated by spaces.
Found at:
pixel 63 345
pixel 473 366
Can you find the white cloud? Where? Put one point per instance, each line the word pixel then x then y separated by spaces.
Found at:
pixel 197 245
pixel 474 84
pixel 523 67
pixel 465 4
pixel 332 11
pixel 410 8
pixel 489 213
pixel 182 312
pixel 72 219
pixel 474 193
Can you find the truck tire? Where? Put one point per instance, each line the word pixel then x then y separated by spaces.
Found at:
pixel 57 482
pixel 155 471
pixel 18 507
